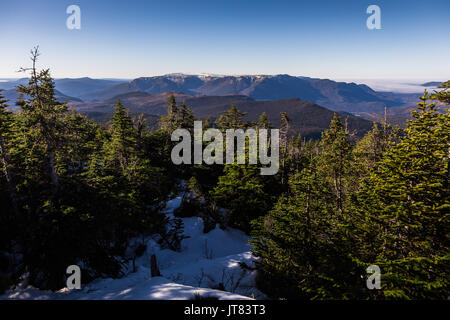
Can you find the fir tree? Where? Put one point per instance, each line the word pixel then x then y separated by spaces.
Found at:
pixel 406 202
pixel 43 114
pixel 335 155
pixel 6 123
pixel 231 119
pixel 122 147
pixel 171 121
pixel 186 117
pixel 245 194
pixel 443 95
pixel 303 252
pixel 263 121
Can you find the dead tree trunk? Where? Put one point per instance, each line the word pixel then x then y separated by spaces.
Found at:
pixel 154 267
pixel 284 130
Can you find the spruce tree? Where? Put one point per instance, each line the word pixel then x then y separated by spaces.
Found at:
pixel 171 121
pixel 263 121
pixel 335 155
pixel 231 119
pixel 406 203
pixel 186 117
pixel 442 95
pixel 302 249
pixel 122 147
pixel 242 192
pixel 44 115
pixel 6 123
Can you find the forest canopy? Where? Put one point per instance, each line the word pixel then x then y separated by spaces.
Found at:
pixel 76 191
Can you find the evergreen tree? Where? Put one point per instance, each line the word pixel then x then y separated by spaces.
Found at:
pixel 298 155
pixel 186 117
pixel 207 123
pixel 6 123
pixel 442 95
pixel 263 121
pixel 172 111
pixel 302 250
pixel 82 190
pixel 245 194
pixel 369 151
pixel 334 160
pixel 406 202
pixel 171 121
pixel 371 148
pixel 44 115
pixel 122 147
pixel 231 119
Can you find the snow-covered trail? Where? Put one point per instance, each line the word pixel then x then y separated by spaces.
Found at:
pixel 206 263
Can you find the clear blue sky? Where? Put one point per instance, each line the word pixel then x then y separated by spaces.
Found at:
pixel 318 38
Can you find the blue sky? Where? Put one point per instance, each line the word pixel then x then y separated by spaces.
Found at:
pixel 320 38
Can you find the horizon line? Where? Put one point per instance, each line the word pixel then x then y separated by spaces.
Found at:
pixel 218 75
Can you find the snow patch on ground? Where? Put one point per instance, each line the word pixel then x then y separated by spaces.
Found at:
pixel 208 265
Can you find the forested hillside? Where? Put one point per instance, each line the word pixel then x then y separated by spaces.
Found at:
pixel 307 118
pixel 78 191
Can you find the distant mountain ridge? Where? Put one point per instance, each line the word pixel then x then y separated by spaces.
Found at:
pixel 67 88
pixel 341 96
pixel 431 84
pixel 307 118
pixel 11 95
pixel 344 97
pixel 82 86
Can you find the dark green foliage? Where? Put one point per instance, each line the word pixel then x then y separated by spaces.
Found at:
pixel 73 191
pixel 231 119
pixel 172 234
pixel 406 203
pixel 177 116
pixel 384 201
pixel 302 244
pixel 240 189
pixel 245 194
pixel 334 162
pixel 443 95
pixel 189 207
pixel 263 121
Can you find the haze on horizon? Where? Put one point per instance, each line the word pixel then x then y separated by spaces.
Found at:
pixel 324 39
